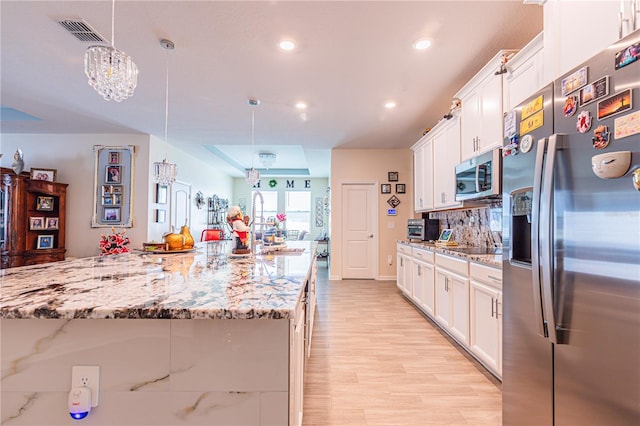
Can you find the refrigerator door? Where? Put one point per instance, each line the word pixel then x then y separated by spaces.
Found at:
pixel 527 355
pixel 596 259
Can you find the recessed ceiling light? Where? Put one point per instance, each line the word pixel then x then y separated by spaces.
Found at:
pixel 301 105
pixel 390 104
pixel 287 45
pixel 421 44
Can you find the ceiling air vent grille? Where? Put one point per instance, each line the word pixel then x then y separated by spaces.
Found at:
pixel 81 30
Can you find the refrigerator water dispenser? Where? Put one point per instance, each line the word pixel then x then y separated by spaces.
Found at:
pixel 521 225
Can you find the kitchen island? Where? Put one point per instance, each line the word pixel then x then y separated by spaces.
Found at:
pixel 201 338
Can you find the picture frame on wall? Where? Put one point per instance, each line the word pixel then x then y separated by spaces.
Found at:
pixel 161 193
pixel 160 215
pixel 51 223
pixel 36 222
pixel 393 176
pixel 113 185
pixel 385 188
pixel 48 175
pixel 44 242
pixel 400 188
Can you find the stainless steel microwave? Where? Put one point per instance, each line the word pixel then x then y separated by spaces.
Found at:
pixel 480 177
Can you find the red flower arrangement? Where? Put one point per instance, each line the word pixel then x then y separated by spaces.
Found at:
pixel 114 243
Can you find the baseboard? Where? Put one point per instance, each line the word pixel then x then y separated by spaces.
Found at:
pixel 387 278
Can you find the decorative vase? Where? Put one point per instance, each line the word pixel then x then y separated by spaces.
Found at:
pixel 188 238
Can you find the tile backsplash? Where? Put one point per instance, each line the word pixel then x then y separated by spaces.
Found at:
pixel 478 227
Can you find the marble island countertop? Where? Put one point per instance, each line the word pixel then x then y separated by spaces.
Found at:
pixel 492 258
pixel 207 283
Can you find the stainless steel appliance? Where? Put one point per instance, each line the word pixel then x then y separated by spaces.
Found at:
pixel 424 229
pixel 479 177
pixel 571 253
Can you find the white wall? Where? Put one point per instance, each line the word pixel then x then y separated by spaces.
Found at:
pixel 73 157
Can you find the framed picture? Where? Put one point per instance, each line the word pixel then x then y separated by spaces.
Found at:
pixel 44 174
pixel 114 157
pixel 160 215
pixel 161 194
pixel 44 203
pixel 385 188
pixel 111 214
pixel 574 81
pixel 113 174
pixel 393 176
pixel 594 91
pixel 400 188
pixel 393 201
pixel 620 102
pixel 51 223
pixel 45 242
pixel 36 222
pixel 114 169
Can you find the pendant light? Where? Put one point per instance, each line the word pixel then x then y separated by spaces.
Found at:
pixel 165 172
pixel 111 72
pixel 253 175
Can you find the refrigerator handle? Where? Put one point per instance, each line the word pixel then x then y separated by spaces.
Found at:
pixel 545 239
pixel 535 233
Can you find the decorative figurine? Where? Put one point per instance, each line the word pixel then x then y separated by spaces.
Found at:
pixel 240 232
pixel 18 162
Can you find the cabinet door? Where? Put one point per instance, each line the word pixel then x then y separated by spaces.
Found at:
pixel 428 283
pixel 486 330
pixel 404 274
pixel 423 174
pixel 524 79
pixel 443 302
pixel 296 367
pixel 446 154
pixel 418 178
pixel 417 281
pixel 459 294
pixel 470 124
pixel 491 119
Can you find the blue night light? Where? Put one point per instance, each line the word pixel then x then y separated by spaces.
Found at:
pixel 79 416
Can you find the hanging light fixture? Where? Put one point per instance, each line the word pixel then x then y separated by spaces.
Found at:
pixel 111 72
pixel 165 172
pixel 253 176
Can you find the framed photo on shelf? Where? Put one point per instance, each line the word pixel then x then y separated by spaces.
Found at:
pixel 51 223
pixel 385 188
pixel 393 176
pixel 114 157
pixel 400 188
pixel 113 174
pixel 114 169
pixel 36 222
pixel 44 242
pixel 111 214
pixel 161 193
pixel 44 203
pixel 44 174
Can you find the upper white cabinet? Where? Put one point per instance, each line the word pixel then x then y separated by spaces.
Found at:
pixel 525 74
pixel 423 173
pixel 481 112
pixel 565 48
pixel 446 155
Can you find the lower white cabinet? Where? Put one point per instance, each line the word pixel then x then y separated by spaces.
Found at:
pixel 296 366
pixel 423 280
pixel 404 269
pixel 452 296
pixel 486 316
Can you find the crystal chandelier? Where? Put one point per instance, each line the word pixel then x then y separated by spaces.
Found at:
pixel 253 176
pixel 111 72
pixel 165 173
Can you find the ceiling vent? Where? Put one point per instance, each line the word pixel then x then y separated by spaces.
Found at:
pixel 81 30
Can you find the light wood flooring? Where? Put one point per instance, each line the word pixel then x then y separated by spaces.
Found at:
pixel 375 360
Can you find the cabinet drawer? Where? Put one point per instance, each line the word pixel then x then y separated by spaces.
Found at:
pixel 486 274
pixel 458 266
pixel 424 255
pixel 404 249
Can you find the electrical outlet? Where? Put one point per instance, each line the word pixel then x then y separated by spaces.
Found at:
pixel 87 376
pixel 390 260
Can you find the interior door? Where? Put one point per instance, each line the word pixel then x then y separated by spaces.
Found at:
pixel 359 239
pixel 180 205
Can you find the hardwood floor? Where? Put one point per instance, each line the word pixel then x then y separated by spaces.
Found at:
pixel 375 360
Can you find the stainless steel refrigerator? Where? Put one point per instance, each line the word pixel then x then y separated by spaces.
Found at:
pixel 571 248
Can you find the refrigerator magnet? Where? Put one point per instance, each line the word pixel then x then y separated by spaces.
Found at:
pixel 600 137
pixel 526 144
pixel 570 106
pixel 627 125
pixel 584 122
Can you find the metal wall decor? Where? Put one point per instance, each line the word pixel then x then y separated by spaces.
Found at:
pixel 113 186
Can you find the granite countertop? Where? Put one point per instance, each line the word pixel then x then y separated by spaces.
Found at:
pixel 490 259
pixel 208 283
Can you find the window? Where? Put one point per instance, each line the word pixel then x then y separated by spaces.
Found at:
pixel 298 210
pixel 270 204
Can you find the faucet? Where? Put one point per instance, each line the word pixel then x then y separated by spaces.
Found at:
pixel 254 222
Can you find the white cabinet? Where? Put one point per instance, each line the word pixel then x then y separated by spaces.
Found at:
pixel 452 296
pixel 481 112
pixel 423 173
pixel 296 366
pixel 486 315
pixel 446 155
pixel 525 74
pixel 403 265
pixel 423 280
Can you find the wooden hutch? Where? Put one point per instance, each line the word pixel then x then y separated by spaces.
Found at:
pixel 32 220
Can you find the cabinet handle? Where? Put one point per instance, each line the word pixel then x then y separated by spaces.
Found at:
pixel 492 299
pixel 497 315
pixel 494 278
pixel 634 14
pixel 419 272
pixel 401 262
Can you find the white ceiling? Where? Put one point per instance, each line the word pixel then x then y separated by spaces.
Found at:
pixel 351 58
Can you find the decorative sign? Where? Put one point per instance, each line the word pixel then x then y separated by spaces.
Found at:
pixel 532 123
pixel 620 102
pixel 626 125
pixel 510 124
pixel 584 122
pixel 594 91
pixel 573 82
pixel 600 137
pixel 393 201
pixel 526 144
pixel 627 56
pixel 532 107
pixel 570 106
